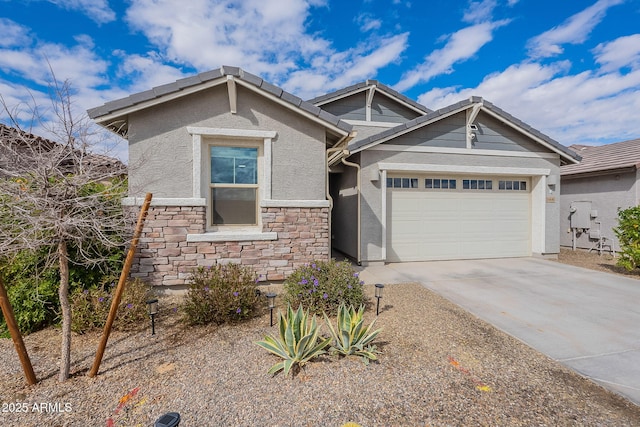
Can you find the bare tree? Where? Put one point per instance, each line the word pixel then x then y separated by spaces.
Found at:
pixel 55 193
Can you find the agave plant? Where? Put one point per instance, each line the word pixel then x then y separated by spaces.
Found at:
pixel 298 340
pixel 350 337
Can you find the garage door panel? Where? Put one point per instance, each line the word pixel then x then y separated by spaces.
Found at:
pixel 438 225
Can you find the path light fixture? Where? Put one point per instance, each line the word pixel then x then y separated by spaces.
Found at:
pixel 271 300
pixel 152 309
pixel 379 288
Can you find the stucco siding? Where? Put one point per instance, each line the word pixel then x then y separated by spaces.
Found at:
pixel 607 194
pixel 344 217
pixel 161 152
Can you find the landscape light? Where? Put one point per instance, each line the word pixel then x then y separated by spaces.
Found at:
pixel 379 288
pixel 271 300
pixel 152 308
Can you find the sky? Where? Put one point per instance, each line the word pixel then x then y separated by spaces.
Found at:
pixel 569 68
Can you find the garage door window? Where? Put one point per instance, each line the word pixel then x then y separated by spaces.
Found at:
pixel 402 182
pixel 440 184
pixel 477 184
pixel 508 185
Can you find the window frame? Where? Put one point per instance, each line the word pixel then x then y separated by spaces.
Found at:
pixel 211 226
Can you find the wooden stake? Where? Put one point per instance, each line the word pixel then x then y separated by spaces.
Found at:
pixel 7 312
pixel 120 288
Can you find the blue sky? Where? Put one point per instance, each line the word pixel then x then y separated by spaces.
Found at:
pixel 570 68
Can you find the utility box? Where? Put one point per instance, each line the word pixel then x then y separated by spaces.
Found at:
pixel 580 214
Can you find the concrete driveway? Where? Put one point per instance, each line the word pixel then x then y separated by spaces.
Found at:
pixel 587 320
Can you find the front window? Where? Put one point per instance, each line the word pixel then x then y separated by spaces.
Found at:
pixel 234 185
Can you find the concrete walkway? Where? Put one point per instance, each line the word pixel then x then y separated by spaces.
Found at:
pixel 587 320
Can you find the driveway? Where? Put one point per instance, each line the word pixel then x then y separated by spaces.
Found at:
pixel 587 320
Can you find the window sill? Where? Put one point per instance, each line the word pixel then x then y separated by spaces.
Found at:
pixel 231 237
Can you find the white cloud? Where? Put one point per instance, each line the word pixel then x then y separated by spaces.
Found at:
pixel 574 30
pixel 266 37
pixel 340 69
pixel 13 34
pixel 479 11
pixel 367 22
pixel 98 10
pixel 460 46
pixel 512 2
pixel 620 53
pixel 145 71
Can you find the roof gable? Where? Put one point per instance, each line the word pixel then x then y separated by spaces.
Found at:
pixel 478 104
pixel 113 114
pixel 603 158
pixel 370 89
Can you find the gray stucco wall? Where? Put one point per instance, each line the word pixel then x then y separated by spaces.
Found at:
pixel 607 194
pixel 160 148
pixel 344 218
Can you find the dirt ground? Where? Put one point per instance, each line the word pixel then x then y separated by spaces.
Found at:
pixel 605 262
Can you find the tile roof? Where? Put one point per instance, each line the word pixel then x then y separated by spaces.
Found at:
pixel 359 145
pixel 322 99
pixel 17 139
pixel 609 157
pixel 193 82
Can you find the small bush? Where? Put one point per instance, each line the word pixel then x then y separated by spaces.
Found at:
pixel 220 294
pixel 90 307
pixel 628 232
pixel 322 286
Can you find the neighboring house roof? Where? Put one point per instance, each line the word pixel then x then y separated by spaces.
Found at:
pixel 113 115
pixel 14 141
pixel 567 155
pixel 366 85
pixel 603 158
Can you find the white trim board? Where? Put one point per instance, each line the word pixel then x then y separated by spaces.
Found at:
pixel 165 201
pixel 486 170
pixel 294 203
pixel 467 151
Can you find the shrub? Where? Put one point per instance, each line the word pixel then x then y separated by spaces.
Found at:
pixel 219 294
pixel 90 307
pixel 32 285
pixel 33 292
pixel 628 233
pixel 298 340
pixel 350 337
pixel 322 286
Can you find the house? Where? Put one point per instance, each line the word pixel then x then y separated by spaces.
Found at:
pixel 18 147
pixel 606 180
pixel 242 171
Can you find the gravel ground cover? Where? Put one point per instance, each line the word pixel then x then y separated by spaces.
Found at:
pixel 439 366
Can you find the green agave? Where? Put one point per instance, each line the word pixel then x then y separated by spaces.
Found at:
pixel 350 337
pixel 297 342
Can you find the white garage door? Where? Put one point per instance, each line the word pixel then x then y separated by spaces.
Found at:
pixel 436 218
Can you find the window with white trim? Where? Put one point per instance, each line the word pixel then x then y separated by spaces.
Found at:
pixel 234 185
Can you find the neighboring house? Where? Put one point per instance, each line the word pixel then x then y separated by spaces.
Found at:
pixel 606 180
pixel 242 171
pixel 17 145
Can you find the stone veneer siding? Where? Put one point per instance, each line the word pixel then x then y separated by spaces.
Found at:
pixel 164 257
